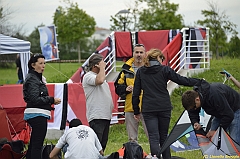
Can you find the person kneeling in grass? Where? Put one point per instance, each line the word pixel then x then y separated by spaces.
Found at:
pixel 82 142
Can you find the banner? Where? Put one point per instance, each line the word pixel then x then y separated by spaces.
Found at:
pixel 73 104
pixel 48 42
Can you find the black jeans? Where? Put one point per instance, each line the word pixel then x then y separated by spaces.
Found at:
pixel 157 124
pixel 101 128
pixel 39 130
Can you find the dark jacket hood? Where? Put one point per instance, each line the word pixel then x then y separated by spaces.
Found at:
pixel 154 68
pixel 203 90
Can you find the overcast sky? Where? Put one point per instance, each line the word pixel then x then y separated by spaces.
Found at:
pixel 32 13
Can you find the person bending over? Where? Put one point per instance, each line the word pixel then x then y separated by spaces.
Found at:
pixel 82 142
pixel 218 100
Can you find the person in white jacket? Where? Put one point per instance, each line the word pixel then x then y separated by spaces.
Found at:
pixel 82 142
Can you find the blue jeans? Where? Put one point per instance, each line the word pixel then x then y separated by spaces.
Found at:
pixel 157 124
pixel 234 128
pixel 64 148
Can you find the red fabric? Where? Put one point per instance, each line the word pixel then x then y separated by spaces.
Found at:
pixel 203 32
pixel 15 116
pixel 16 95
pixel 5 132
pixel 24 135
pixel 11 99
pixel 76 77
pixel 153 39
pixel 104 48
pixel 51 89
pixel 77 101
pixel 15 108
pixel 114 96
pixel 171 50
pixel 121 152
pixel 123 44
pixel 7 153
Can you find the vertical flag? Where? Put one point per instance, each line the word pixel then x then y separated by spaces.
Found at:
pixel 195 46
pixel 48 42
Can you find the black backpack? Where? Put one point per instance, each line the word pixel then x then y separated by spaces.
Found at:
pixel 132 150
pixel 46 150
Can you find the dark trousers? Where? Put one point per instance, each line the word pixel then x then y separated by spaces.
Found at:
pixel 101 128
pixel 20 75
pixel 39 130
pixel 157 124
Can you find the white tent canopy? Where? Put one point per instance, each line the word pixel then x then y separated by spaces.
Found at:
pixel 10 45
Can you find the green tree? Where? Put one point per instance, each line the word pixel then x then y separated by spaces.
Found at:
pixel 219 25
pixel 160 15
pixel 5 13
pixel 34 38
pixel 73 24
pixel 130 19
pixel 6 27
pixel 121 21
pixel 234 49
pixel 89 46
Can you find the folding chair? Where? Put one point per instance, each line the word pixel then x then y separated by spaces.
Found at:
pixel 10 149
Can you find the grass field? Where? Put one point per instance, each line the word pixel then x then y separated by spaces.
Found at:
pixel 118 134
pixel 54 72
pixel 58 73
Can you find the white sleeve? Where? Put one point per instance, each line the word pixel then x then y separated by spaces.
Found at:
pixel 90 79
pixel 97 142
pixel 62 141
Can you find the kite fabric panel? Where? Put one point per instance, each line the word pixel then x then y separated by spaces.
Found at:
pixel 171 50
pixel 123 44
pixel 153 39
pixel 183 127
pixel 221 144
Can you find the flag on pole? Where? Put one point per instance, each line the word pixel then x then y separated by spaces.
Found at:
pixel 48 42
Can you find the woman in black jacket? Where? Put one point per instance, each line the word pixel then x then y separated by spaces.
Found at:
pixel 152 78
pixel 38 109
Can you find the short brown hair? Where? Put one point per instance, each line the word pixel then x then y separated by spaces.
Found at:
pixel 94 60
pixel 188 99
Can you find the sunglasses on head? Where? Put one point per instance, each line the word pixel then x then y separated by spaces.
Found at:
pixel 138 45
